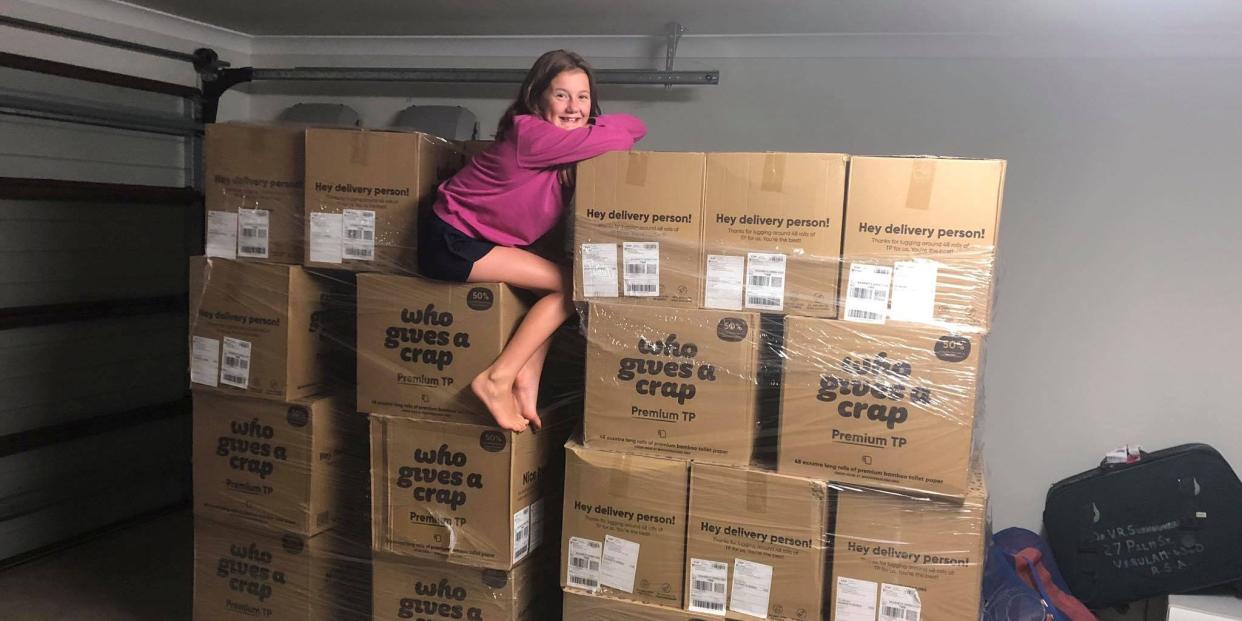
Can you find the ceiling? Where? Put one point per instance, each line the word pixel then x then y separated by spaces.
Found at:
pixel 648 17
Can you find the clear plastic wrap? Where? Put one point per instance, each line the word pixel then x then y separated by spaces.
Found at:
pixel 775 371
pixel 748 543
pixel 865 239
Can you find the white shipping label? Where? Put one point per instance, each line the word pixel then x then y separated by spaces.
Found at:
pixel 583 566
pixel 536 525
pixel 765 281
pixel 599 270
pixel 620 562
pixel 325 237
pixel 222 234
pixel 252 233
pixel 725 281
pixel 359 234
pixel 708 582
pixel 235 363
pixel 752 584
pixel 899 603
pixel 866 297
pixel 521 534
pixel 855 600
pixel 642 268
pixel 205 361
pixel 914 290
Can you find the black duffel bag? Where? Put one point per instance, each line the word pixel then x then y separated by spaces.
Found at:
pixel 1168 523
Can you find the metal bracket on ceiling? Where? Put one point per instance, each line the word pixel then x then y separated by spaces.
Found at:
pixel 675 31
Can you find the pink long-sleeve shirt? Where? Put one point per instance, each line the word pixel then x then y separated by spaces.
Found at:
pixel 510 194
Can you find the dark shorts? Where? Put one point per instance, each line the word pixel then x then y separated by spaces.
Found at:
pixel 445 253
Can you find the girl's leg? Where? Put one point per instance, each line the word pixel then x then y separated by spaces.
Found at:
pixel 519 268
pixel 526 386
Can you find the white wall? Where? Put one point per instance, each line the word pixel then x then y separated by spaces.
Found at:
pixel 1120 270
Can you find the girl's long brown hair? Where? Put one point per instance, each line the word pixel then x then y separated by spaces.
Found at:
pixel 530 99
pixel 537 82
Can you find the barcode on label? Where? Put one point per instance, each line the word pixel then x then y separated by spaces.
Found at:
pixel 251 231
pixel 711 586
pixel 867 293
pixel 763 280
pixel 896 613
pixel 363 234
pixel 641 268
pixel 236 379
pixel 702 603
pixel 862 314
pixel 236 362
pixel 364 253
pixel 641 288
pixel 584 580
pixel 752 300
pixel 254 249
pixel 584 563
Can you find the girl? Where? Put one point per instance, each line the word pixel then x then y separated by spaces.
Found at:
pixel 511 195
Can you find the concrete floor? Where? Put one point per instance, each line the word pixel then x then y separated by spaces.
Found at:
pixel 143 572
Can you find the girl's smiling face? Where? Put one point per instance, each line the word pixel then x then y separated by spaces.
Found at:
pixel 567 101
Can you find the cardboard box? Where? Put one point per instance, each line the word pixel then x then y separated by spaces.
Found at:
pixel 365 191
pixel 582 607
pixel 920 240
pixel 908 557
pixel 624 532
pixel 892 405
pixel 638 227
pixel 271 331
pixel 772 232
pixel 468 494
pixel 415 589
pixel 671 382
pixel 421 342
pixel 254 191
pixel 243 573
pixel 756 546
pixel 291 466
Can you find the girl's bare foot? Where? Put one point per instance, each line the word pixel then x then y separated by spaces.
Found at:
pixel 498 396
pixel 526 390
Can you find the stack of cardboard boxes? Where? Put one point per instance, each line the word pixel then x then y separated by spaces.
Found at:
pixel 278 451
pixel 310 242
pixel 783 371
pixel 782 366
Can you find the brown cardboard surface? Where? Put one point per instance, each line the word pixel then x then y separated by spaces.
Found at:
pixel 671 382
pixel 255 167
pixel 240 573
pixel 773 215
pixel 640 198
pixel 417 589
pixel 289 321
pixel 385 179
pixel 468 494
pixel 892 405
pixel 741 516
pixel 582 607
pixel 942 210
pixel 421 342
pixel 614 501
pixel 885 545
pixel 293 466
